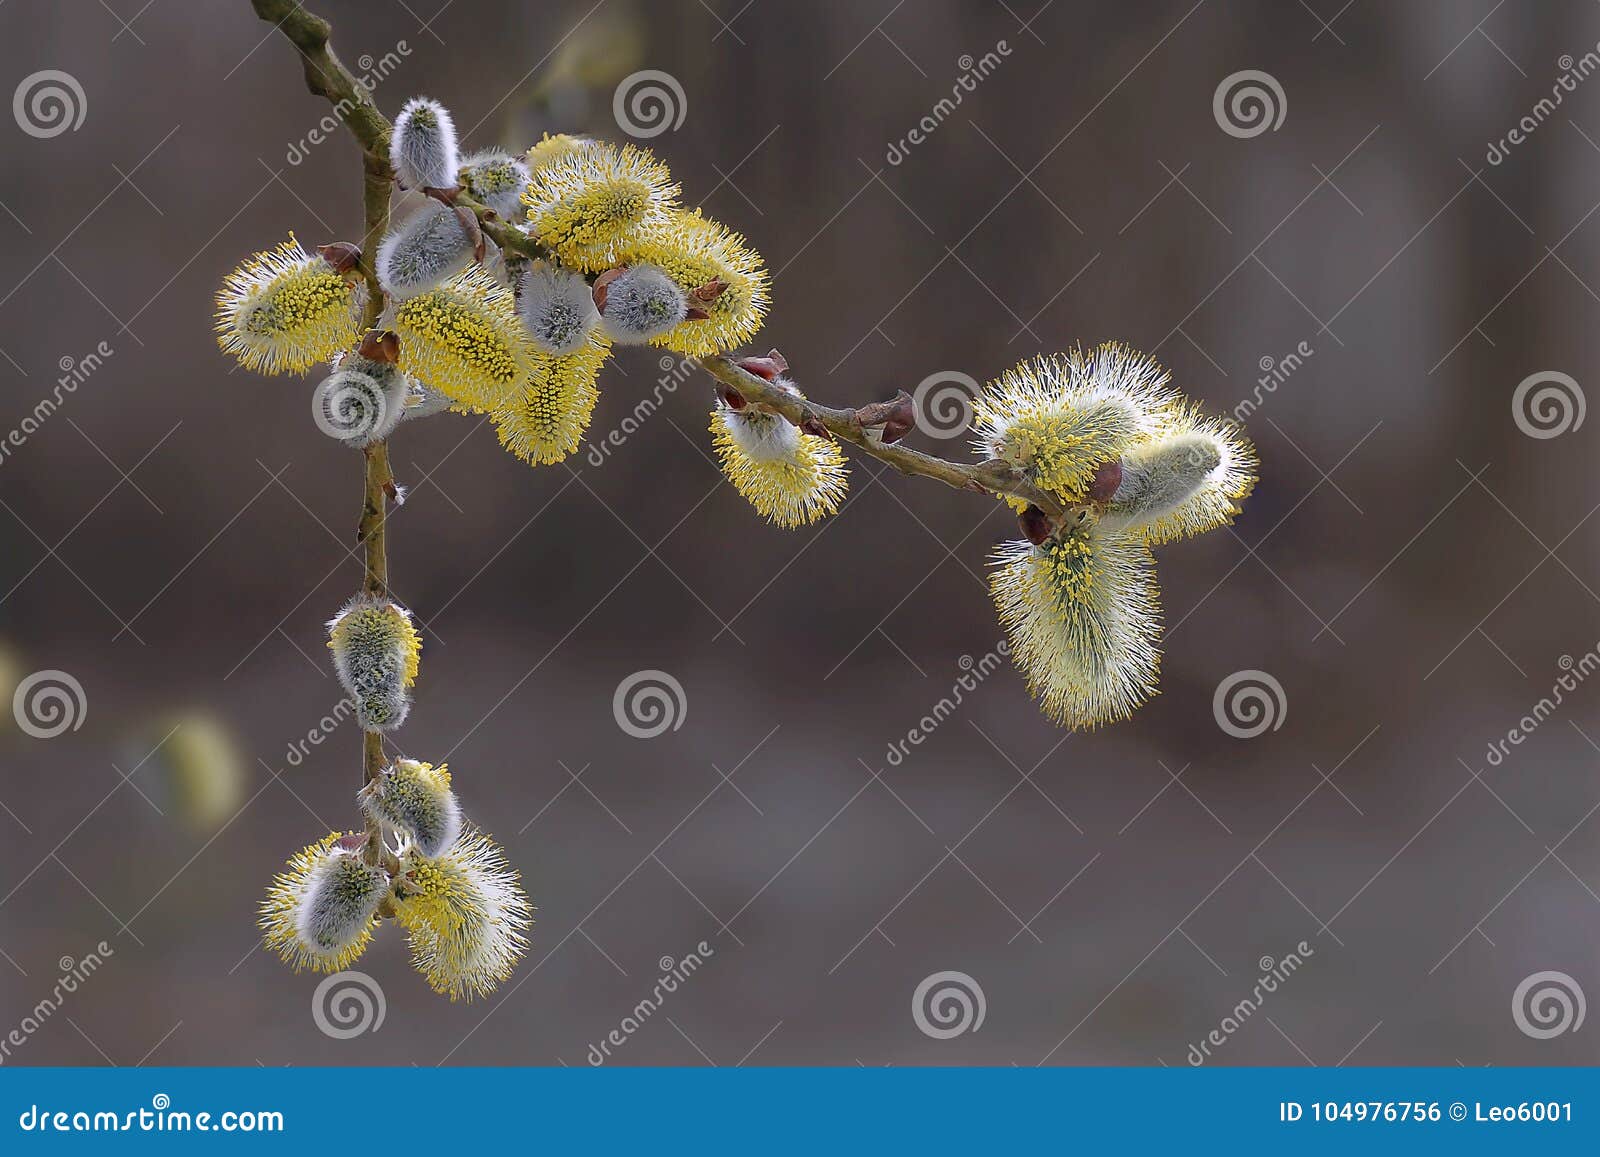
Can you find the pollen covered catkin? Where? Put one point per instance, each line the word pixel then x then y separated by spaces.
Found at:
pixel 1082 613
pixel 285 310
pixel 789 477
pixel 422 148
pixel 465 914
pixel 415 800
pixel 376 653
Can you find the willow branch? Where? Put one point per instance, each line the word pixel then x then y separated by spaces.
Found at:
pixel 326 76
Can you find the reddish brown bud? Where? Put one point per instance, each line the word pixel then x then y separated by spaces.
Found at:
pixel 768 367
pixel 1035 524
pixel 694 313
pixel 601 282
pixel 731 397
pixel 811 424
pixel 710 291
pixel 352 843
pixel 896 416
pixel 1106 480
pixel 381 345
pixel 342 255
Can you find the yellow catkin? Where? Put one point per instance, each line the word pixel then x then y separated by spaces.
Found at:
pixel 285 310
pixel 545 423
pixel 694 250
pixel 789 477
pixel 464 340
pixel 1083 616
pixel 590 203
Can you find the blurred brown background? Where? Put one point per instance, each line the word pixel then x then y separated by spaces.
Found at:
pixel 176 533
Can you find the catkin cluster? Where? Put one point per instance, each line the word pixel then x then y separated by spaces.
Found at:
pixel 1106 434
pixel 464 326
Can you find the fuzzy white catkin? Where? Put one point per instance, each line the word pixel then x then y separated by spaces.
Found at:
pixel 415 799
pixel 422 148
pixel 339 901
pixel 557 309
pixel 497 179
pixel 1159 477
pixel 642 303
pixel 361 401
pixel 424 251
